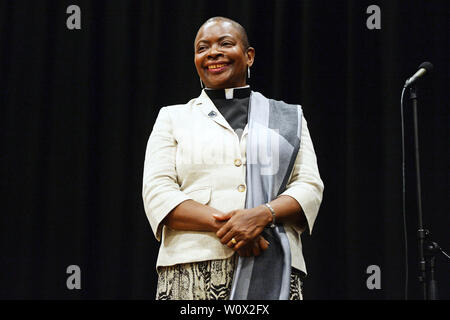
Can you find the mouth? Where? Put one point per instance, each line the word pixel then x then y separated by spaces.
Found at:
pixel 217 68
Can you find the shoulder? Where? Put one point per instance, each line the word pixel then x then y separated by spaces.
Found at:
pixel 177 110
pixel 178 107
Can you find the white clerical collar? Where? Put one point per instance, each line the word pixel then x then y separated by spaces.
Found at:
pixel 229 92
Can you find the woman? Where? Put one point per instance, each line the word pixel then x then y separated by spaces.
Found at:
pixel 230 182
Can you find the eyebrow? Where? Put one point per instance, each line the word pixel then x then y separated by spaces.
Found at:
pixel 220 39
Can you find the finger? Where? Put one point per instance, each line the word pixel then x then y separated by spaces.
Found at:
pixel 255 249
pixel 240 244
pixel 232 245
pixel 226 238
pixel 263 243
pixel 223 231
pixel 232 242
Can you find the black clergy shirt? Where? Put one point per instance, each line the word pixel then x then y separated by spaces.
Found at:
pixel 233 105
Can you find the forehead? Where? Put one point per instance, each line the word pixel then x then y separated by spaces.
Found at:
pixel 217 29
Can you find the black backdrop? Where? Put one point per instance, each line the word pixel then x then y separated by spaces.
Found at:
pixel 77 107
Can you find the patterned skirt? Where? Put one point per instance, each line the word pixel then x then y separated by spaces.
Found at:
pixel 207 280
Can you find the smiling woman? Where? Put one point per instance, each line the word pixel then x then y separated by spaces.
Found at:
pixel 230 222
pixel 222 54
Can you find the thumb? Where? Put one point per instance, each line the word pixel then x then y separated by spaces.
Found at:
pixel 222 216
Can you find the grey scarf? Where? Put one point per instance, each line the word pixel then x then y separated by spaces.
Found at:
pixel 272 145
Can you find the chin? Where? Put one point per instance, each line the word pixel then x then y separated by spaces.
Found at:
pixel 221 84
pixel 219 81
pixel 217 85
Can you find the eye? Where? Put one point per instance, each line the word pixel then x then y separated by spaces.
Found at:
pixel 227 43
pixel 201 48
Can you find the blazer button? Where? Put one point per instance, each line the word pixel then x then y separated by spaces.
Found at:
pixel 237 162
pixel 241 188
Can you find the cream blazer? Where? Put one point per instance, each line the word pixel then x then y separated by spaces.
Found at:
pixel 195 154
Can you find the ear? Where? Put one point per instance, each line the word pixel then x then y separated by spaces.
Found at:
pixel 250 56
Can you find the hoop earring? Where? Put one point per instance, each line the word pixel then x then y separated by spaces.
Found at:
pixel 201 84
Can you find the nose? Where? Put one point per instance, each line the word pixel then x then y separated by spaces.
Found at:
pixel 214 53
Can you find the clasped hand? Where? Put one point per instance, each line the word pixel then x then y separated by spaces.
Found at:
pixel 245 227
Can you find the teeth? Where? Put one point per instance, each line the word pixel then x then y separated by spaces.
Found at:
pixel 216 66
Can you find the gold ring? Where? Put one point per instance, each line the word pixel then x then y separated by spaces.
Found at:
pixel 233 241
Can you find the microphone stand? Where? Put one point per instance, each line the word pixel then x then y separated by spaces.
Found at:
pixel 428 252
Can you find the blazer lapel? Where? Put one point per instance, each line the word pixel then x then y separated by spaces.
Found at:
pixel 210 110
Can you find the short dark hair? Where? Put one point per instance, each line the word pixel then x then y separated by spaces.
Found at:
pixel 237 25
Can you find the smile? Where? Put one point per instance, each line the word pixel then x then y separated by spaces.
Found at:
pixel 217 67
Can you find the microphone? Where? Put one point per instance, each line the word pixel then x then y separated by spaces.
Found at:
pixel 423 69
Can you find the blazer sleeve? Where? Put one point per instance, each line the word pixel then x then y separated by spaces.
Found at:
pixel 305 184
pixel 161 192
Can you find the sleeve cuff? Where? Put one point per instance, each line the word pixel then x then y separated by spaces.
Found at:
pixel 156 217
pixel 309 203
